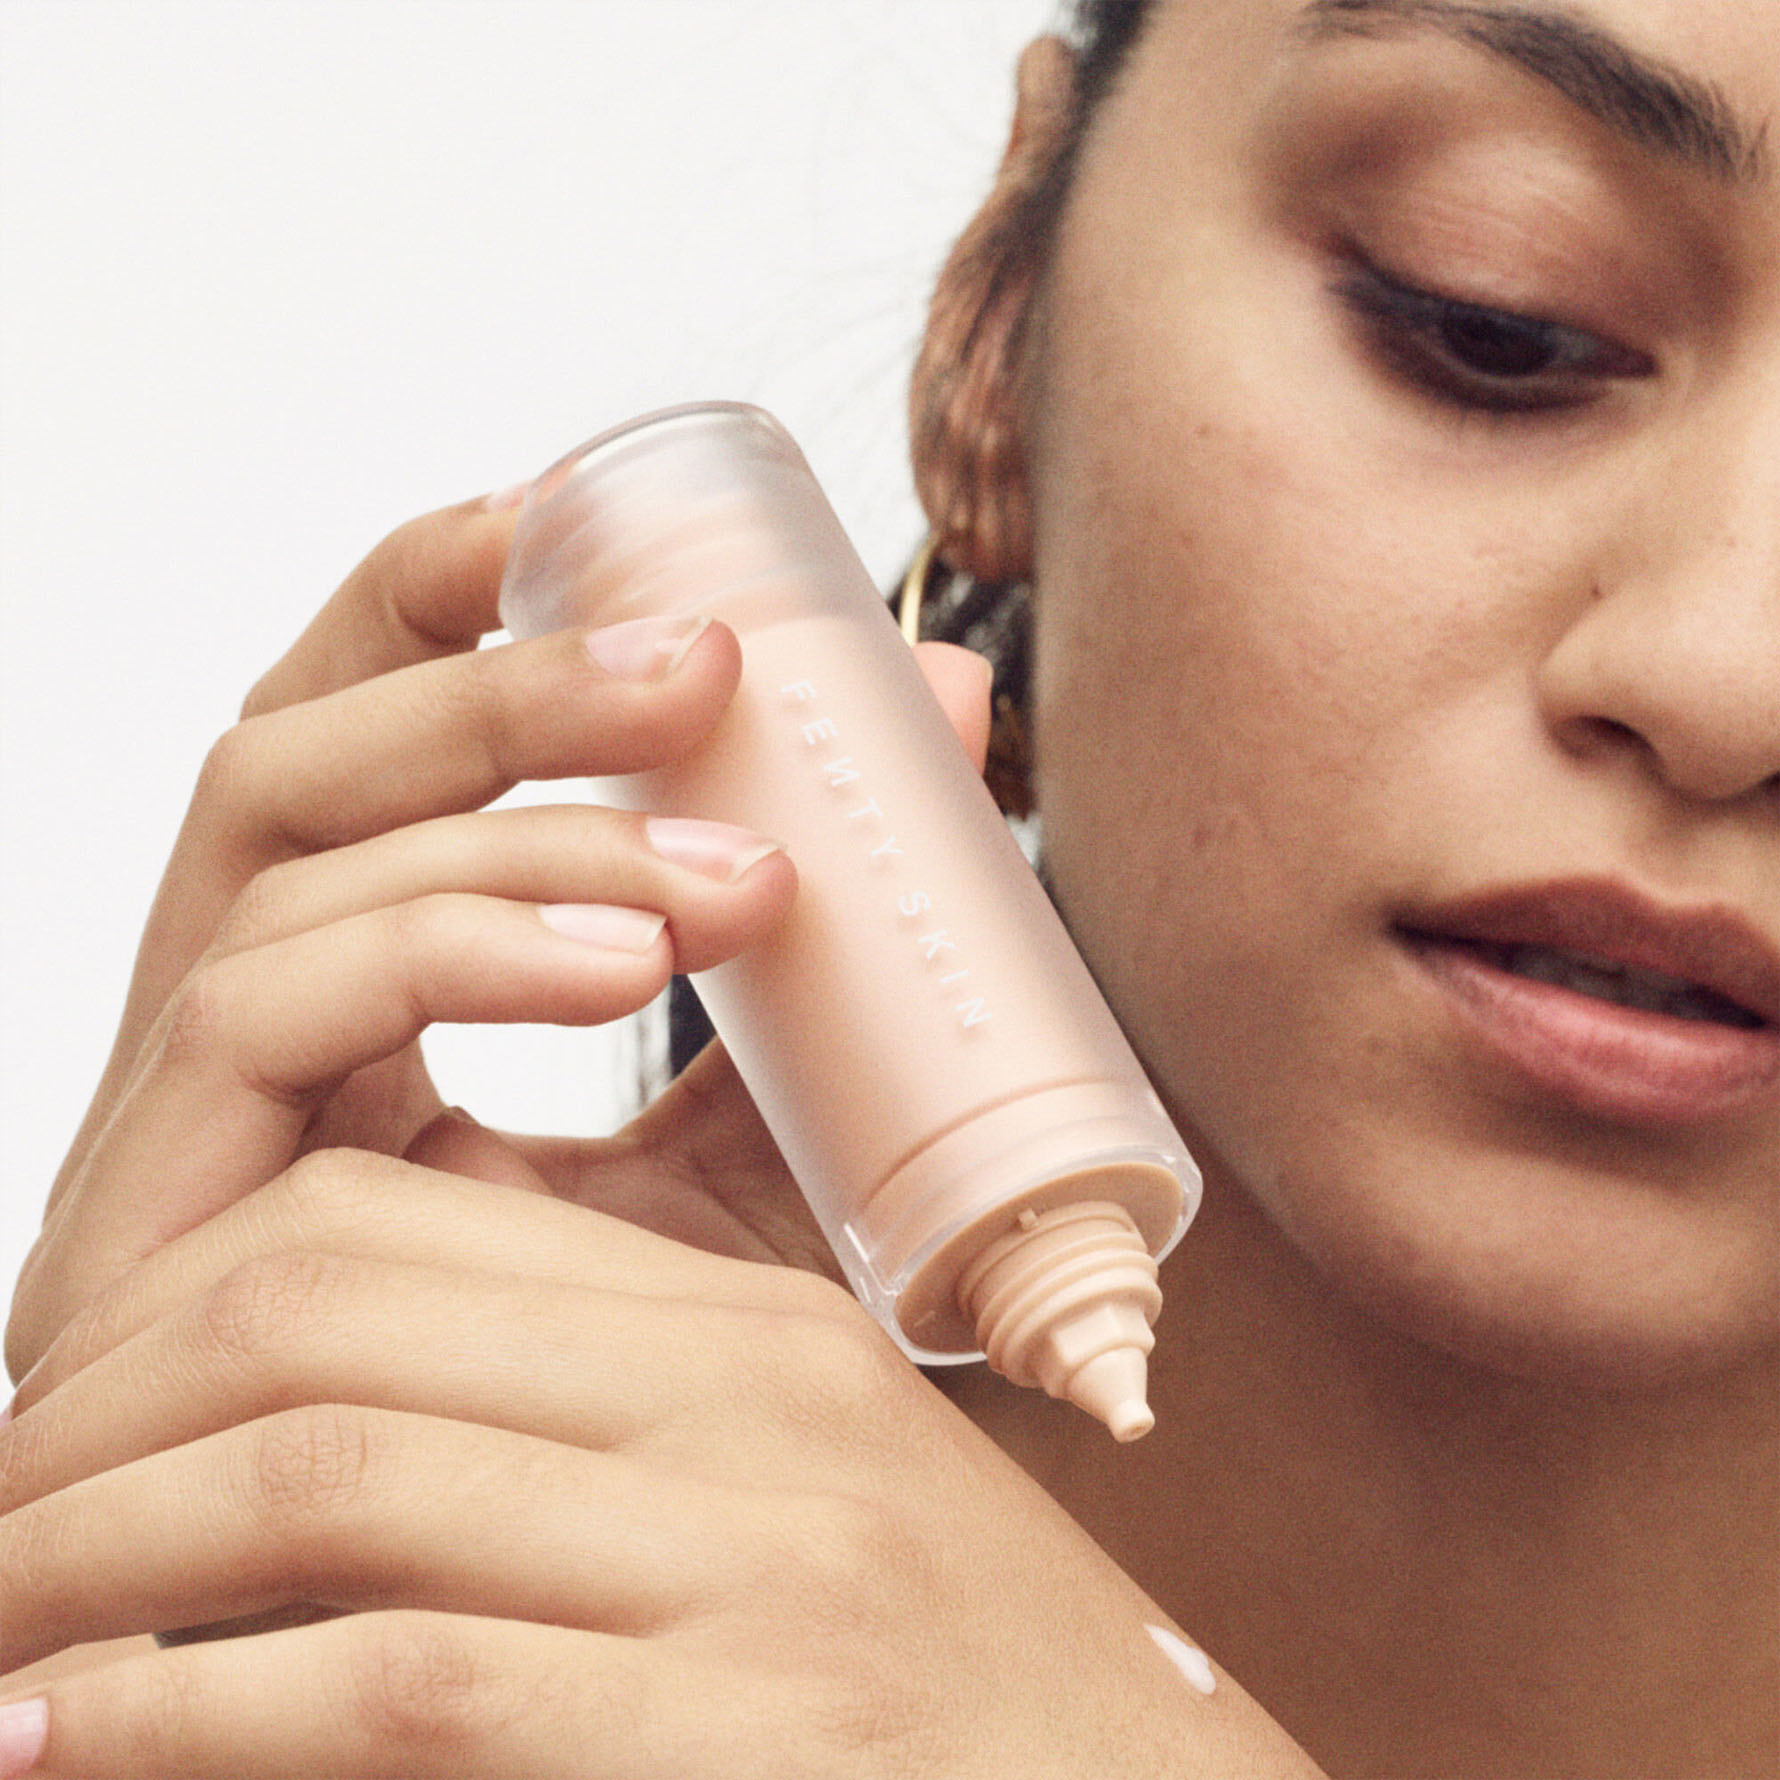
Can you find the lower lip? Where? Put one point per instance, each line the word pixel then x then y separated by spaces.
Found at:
pixel 1614 1062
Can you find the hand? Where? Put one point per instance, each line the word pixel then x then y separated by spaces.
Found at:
pixel 593 1500
pixel 598 1503
pixel 336 886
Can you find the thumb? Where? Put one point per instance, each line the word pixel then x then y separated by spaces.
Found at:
pixel 960 680
pixel 454 1143
pixel 699 1165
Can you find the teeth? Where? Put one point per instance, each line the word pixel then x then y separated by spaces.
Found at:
pixel 1648 990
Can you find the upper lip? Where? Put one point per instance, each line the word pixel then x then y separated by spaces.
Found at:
pixel 1714 947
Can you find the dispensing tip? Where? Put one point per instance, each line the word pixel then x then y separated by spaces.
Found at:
pixel 1065 1301
pixel 1112 1388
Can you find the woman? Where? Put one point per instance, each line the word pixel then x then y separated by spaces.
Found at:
pixel 1382 400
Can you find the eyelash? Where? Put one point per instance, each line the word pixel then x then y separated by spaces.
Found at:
pixel 1541 364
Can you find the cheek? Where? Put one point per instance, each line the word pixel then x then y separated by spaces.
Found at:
pixel 1284 678
pixel 1275 647
pixel 1212 728
pixel 1289 628
pixel 1260 689
pixel 1229 681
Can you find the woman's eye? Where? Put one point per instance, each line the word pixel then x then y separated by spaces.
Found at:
pixel 1477 357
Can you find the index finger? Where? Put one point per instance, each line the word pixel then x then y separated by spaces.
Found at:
pixel 429 589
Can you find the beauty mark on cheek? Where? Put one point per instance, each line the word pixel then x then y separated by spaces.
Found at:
pixel 1189 1659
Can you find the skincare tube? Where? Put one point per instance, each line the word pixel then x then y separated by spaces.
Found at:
pixel 975 1137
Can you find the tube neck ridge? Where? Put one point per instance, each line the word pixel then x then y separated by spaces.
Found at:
pixel 1066 1300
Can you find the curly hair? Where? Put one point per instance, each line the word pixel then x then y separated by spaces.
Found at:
pixel 997 262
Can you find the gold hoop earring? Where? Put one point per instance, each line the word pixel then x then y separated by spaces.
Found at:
pixel 914 588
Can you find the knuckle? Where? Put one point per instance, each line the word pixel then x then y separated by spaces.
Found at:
pixel 42 1306
pixel 427 940
pixel 326 1191
pixel 232 790
pixel 873 1719
pixel 74 1337
pixel 200 1012
pixel 473 699
pixel 226 771
pixel 443 924
pixel 263 695
pixel 311 1464
pixel 158 1709
pixel 407 926
pixel 419 1686
pixel 847 1367
pixel 401 558
pixel 336 1193
pixel 850 1544
pixel 27 1447
pixel 270 1305
pixel 254 911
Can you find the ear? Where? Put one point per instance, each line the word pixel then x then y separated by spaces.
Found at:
pixel 966 400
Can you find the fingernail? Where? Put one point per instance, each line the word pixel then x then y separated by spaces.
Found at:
pixel 503 498
pixel 645 648
pixel 24 1729
pixel 716 849
pixel 604 924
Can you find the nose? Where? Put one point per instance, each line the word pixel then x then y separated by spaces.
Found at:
pixel 1675 660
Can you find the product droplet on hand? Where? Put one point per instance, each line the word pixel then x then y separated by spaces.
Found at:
pixel 1188 1658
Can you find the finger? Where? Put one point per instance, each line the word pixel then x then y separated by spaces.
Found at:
pixel 454 1143
pixel 425 741
pixel 705 1129
pixel 720 887
pixel 706 1125
pixel 255 1041
pixel 454 734
pixel 960 679
pixel 342 1507
pixel 430 588
pixel 608 1371
pixel 405 1693
pixel 374 1208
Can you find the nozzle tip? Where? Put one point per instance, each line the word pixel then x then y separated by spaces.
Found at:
pixel 1113 1387
pixel 1131 1421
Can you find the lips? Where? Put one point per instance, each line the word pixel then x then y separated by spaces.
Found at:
pixel 1615 1004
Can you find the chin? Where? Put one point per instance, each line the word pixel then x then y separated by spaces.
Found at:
pixel 1540 1271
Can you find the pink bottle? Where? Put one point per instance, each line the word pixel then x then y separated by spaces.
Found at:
pixel 974 1135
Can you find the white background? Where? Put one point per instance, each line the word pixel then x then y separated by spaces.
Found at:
pixel 276 274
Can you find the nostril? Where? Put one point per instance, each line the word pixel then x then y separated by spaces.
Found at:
pixel 1600 735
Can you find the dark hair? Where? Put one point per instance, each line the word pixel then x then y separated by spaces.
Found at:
pixel 1000 261
pixel 992 616
pixel 1103 32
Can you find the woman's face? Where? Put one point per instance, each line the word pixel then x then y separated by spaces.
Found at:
pixel 1406 475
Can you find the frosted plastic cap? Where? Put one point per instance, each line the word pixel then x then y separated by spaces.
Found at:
pixel 692 509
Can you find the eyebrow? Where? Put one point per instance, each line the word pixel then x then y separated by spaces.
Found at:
pixel 1643 101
